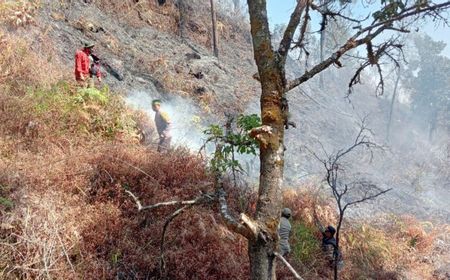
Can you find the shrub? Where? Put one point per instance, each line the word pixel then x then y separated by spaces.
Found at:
pixel 306 245
pixel 5 202
pixel 90 112
pixel 92 95
pixel 130 239
pixel 371 248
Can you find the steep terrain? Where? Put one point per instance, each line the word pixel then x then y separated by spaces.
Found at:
pixel 68 156
pixel 140 43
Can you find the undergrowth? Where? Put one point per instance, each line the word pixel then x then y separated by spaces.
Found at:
pixel 306 246
pixel 84 111
pixel 5 202
pixel 67 157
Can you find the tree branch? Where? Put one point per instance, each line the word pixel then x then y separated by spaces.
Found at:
pixel 199 200
pixel 354 42
pixel 365 198
pixel 288 265
pixel 245 227
pixel 162 263
pixel 328 13
pixel 285 44
pixel 360 140
pixel 303 28
pixel 262 44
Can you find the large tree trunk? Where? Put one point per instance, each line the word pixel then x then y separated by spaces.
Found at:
pixel 268 209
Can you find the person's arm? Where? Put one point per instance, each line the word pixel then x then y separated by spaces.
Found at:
pixel 166 132
pixel 317 221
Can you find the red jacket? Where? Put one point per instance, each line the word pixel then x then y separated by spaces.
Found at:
pixel 81 64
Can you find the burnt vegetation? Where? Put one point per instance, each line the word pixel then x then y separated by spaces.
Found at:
pixel 82 198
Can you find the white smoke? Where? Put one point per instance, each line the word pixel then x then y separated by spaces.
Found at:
pixel 187 125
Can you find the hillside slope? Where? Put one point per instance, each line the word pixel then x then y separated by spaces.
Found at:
pixel 67 156
pixel 140 42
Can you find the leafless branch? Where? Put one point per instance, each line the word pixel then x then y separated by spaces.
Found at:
pixel 365 198
pixel 361 140
pixel 245 226
pixel 306 19
pixel 162 263
pixel 185 205
pixel 199 200
pixel 340 189
pixel 289 266
pixel 356 79
pixel 285 44
pixel 374 54
pixel 325 12
pixel 380 87
pixel 369 33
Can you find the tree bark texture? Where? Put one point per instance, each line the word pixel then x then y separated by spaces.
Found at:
pixel 269 203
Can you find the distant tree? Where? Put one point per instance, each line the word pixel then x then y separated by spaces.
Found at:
pixel 326 9
pixel 429 81
pixel 393 99
pixel 346 190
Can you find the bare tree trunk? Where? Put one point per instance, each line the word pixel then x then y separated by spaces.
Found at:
pixel 322 42
pixel 262 263
pixel 338 231
pixel 182 20
pixel 214 29
pixel 391 111
pixel 268 209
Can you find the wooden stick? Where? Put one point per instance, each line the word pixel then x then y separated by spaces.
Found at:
pixel 296 275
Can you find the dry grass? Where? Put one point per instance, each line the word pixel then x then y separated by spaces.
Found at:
pixel 49 133
pixel 47 235
pixel 383 247
pixel 18 13
pixel 67 157
pixel 21 68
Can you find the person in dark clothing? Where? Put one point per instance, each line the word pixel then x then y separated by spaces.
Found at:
pixel 284 231
pixel 95 70
pixel 329 247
